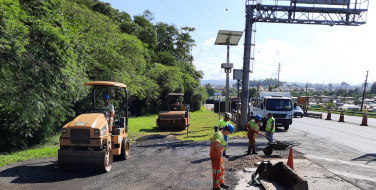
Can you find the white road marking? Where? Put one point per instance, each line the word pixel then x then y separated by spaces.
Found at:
pixel 336 129
pixel 354 176
pixel 340 161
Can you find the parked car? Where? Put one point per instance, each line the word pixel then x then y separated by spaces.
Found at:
pixel 298 112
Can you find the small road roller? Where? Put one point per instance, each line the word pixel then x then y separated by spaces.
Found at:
pixel 177 117
pixel 92 139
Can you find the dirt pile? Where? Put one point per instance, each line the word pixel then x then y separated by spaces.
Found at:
pixel 241 162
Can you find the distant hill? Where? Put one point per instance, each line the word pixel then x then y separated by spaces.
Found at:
pixel 218 82
pixel 222 82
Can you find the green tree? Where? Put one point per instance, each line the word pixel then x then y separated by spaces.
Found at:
pixel 209 89
pixel 357 102
pixel 252 92
pixel 373 88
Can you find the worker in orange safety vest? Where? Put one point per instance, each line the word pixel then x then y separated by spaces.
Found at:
pixel 253 127
pixel 217 147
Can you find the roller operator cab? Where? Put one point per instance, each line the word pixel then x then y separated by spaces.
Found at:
pixel 277 103
pixel 90 141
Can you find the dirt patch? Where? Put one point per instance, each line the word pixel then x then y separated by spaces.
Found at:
pixel 155 139
pixel 241 162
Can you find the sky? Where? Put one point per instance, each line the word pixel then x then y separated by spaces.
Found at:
pixel 307 53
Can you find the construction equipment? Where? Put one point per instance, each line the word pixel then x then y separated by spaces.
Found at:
pixel 276 145
pixel 177 117
pixel 278 176
pixel 87 141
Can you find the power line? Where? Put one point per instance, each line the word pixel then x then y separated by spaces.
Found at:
pixel 222 14
pixel 193 32
pixel 212 13
pixel 202 14
pixel 209 22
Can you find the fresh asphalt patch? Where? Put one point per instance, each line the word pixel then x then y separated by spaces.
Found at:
pixel 156 162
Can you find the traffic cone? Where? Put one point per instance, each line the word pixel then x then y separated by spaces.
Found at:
pixel 329 116
pixel 364 121
pixel 342 117
pixel 290 160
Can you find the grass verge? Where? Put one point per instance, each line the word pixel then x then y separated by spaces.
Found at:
pixel 201 128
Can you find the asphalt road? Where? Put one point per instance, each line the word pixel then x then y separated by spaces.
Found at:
pixel 345 149
pixel 340 151
pixel 356 120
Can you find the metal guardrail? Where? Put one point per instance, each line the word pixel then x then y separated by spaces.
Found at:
pixel 368 113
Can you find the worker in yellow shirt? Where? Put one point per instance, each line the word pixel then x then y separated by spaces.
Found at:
pixel 223 123
pixel 253 127
pixel 217 147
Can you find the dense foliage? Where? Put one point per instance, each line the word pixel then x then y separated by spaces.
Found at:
pixel 49 48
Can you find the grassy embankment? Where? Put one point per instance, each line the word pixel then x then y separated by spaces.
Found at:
pixel 202 128
pixel 346 113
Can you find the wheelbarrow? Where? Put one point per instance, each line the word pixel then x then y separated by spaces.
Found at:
pixel 276 145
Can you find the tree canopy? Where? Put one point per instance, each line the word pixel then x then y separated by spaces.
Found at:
pixel 49 48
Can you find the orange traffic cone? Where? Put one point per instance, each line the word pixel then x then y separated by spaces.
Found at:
pixel 364 121
pixel 342 117
pixel 290 160
pixel 329 116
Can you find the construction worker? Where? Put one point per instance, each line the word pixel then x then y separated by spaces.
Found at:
pixel 223 123
pixel 270 127
pixel 253 127
pixel 217 147
pixel 108 107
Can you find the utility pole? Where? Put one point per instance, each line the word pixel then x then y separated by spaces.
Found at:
pixel 364 92
pixel 279 70
pixel 306 89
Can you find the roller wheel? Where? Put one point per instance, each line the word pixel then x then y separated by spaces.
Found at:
pixel 64 166
pixel 125 149
pixel 107 161
pixel 268 151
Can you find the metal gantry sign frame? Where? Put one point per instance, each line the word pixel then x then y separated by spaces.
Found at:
pixel 319 12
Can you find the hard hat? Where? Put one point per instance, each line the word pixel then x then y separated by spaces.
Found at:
pixel 258 117
pixel 231 128
pixel 106 96
pixel 228 115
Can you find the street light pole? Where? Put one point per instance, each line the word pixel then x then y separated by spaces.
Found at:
pixel 227 109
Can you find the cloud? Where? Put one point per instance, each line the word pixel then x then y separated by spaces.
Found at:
pixel 209 42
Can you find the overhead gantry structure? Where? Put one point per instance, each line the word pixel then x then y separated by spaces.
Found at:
pixel 319 12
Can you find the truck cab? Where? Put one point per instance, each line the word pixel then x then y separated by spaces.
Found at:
pixel 277 103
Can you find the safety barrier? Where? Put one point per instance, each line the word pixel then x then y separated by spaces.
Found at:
pixel 341 117
pixel 314 115
pixel 329 116
pixel 364 120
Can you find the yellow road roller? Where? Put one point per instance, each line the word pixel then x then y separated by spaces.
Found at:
pixel 92 139
pixel 177 117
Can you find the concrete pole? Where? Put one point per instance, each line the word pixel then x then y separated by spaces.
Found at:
pixel 227 109
pixel 246 65
pixel 237 106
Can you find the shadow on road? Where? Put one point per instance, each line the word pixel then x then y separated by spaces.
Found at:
pixel 200 161
pixel 41 173
pixel 367 157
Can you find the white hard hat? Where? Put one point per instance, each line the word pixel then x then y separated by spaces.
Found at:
pixel 228 115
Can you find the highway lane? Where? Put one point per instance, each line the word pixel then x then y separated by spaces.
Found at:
pixel 345 149
pixel 348 118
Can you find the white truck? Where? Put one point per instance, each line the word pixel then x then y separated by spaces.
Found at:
pixel 277 103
